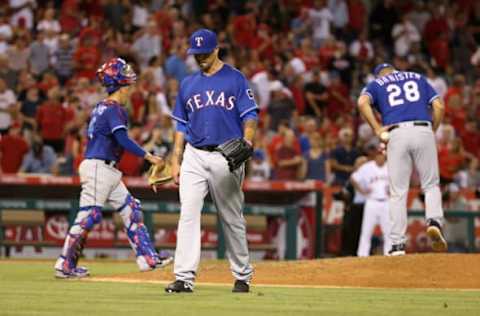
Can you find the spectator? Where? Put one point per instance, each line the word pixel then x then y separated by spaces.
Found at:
pixel 29 106
pixel 22 12
pixel 281 105
pixel 39 55
pixel 361 49
pixel 404 35
pixel 338 97
pixel 7 74
pixel 382 19
pixel 469 177
pixel 258 167
pixel 39 159
pixel 148 44
pixel 8 107
pixel 52 119
pixel 437 82
pixel 159 143
pixel 316 160
pixel 175 65
pixel 18 54
pixel 343 157
pixel 289 159
pixel 63 59
pixel 316 96
pixel 339 10
pixel 357 13
pixel 12 149
pixel 310 127
pixel 320 17
pixel 451 157
pixel 6 30
pixel 86 59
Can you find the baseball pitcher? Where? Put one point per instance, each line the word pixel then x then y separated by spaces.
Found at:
pixel 411 111
pixel 216 115
pixel 102 181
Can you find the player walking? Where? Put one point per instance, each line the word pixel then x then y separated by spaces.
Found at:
pixel 371 180
pixel 102 182
pixel 213 106
pixel 411 111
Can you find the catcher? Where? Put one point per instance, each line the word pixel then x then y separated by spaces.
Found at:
pixel 216 116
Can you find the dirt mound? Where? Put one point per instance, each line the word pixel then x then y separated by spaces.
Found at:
pixel 459 271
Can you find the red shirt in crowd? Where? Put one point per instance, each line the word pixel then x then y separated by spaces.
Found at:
pixel 130 164
pixel 244 26
pixel 12 149
pixel 52 118
pixel 449 161
pixel 356 15
pixel 290 172
pixel 87 60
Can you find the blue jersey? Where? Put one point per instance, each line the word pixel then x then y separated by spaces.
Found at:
pixel 212 107
pixel 107 117
pixel 401 96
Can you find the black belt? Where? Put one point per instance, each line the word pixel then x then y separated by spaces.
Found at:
pixel 208 148
pixel 112 163
pixel 391 128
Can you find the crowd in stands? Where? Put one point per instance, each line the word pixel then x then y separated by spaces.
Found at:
pixel 306 60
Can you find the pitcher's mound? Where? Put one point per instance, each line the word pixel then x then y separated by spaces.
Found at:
pixel 411 271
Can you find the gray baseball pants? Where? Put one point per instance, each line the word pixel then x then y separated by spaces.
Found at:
pixel 205 172
pixel 412 146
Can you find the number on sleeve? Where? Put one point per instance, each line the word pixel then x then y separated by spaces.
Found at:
pixel 91 126
pixel 410 90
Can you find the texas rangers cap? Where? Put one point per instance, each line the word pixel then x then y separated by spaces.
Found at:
pixel 380 67
pixel 202 41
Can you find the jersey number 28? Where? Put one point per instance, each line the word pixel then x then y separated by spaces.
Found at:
pixel 410 92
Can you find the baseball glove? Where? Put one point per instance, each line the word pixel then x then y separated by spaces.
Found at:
pixel 236 151
pixel 160 174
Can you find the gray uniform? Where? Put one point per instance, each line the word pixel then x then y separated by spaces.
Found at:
pixel 410 146
pixel 203 172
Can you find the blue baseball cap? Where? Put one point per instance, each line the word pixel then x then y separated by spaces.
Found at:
pixel 380 67
pixel 202 41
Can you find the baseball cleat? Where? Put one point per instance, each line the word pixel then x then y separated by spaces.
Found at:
pixel 179 286
pixel 397 250
pixel 434 232
pixel 75 273
pixel 241 287
pixel 163 262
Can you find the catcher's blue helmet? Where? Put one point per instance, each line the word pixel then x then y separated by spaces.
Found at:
pixel 116 73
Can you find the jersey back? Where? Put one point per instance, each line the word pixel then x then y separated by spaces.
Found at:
pixel 401 96
pixel 212 107
pixel 107 117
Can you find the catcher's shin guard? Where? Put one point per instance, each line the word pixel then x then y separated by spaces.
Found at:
pixel 66 264
pixel 147 257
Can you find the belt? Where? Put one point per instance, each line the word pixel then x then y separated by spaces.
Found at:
pixel 380 200
pixel 111 163
pixel 208 148
pixel 409 124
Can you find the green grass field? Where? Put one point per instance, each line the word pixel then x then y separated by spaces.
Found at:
pixel 28 288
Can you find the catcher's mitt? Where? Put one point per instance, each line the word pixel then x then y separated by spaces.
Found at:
pixel 160 174
pixel 236 151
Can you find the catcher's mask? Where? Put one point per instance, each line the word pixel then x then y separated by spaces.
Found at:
pixel 116 73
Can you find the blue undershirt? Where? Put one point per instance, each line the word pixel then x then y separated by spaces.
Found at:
pixel 122 138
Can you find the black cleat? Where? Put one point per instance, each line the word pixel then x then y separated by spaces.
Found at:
pixel 434 232
pixel 397 250
pixel 241 287
pixel 179 286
